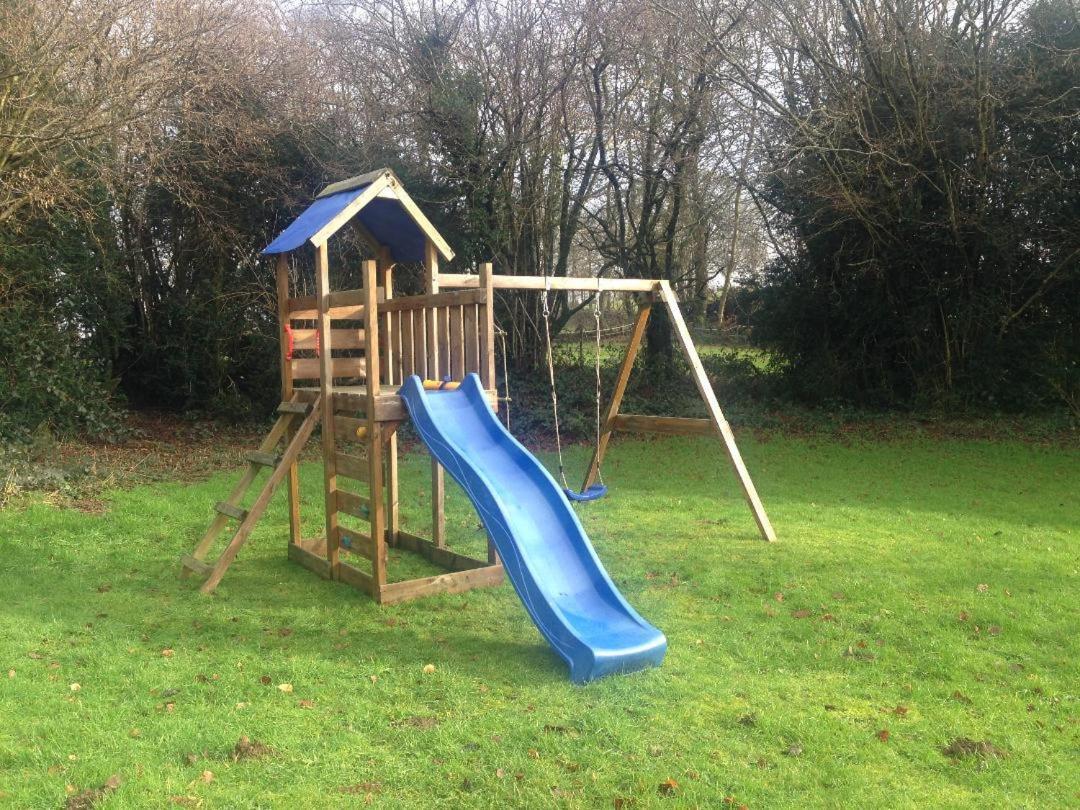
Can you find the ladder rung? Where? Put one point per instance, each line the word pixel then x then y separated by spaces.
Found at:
pixel 294 407
pixel 352 504
pixel 353 467
pixel 231 510
pixel 198 566
pixel 265 459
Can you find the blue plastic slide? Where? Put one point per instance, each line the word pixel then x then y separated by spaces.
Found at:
pixel 543 547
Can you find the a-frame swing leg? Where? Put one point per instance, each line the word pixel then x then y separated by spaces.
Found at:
pixel 607 425
pixel 705 388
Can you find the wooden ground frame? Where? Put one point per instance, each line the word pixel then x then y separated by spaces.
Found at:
pixel 343 356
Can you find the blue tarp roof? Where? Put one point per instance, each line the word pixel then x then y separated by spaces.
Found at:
pixel 386 218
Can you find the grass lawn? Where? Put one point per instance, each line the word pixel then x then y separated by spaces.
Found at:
pixel 923 597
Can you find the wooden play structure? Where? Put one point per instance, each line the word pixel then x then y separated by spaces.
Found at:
pixel 345 353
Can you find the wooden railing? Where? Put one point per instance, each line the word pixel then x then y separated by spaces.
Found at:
pixel 434 336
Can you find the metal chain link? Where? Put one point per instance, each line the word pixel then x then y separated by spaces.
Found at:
pixel 551 376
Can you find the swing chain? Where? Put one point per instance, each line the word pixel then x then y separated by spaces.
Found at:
pixel 551 375
pixel 596 317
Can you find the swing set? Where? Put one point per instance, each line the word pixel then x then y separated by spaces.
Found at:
pixel 347 358
pixel 597 490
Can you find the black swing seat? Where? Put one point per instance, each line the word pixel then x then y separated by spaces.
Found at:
pixel 593 493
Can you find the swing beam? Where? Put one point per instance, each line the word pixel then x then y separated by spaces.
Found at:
pixel 653 292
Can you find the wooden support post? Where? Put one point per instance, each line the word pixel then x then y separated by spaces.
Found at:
pixel 374 428
pixel 282 272
pixel 487 328
pixel 706 390
pixel 487 357
pixel 386 268
pixel 326 383
pixel 617 395
pixel 438 478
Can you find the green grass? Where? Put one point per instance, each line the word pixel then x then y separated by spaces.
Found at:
pixel 936 583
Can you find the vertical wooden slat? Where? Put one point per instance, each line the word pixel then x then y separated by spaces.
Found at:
pixel 386 276
pixel 472 361
pixel 377 506
pixel 444 369
pixel 282 278
pixel 393 377
pixel 326 383
pixel 431 287
pixel 395 333
pixel 438 483
pixel 407 365
pixel 457 344
pixel 420 344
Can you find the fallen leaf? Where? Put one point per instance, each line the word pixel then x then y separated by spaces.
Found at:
pixel 307 704
pixel 534 754
pixel 242 705
pixel 361 788
pixel 35 655
pixel 499 773
pixel 778 596
pixel 285 687
pixel 247 748
pixel 134 733
pixel 900 711
pixel 74 687
pixel 963 747
pixel 266 680
pixel 963 616
pixel 800 614
pixel 429 668
pixel 88 799
pixel 423 722
pixel 207 777
pixel 168 653
pixel 794 750
pixel 883 735
pixel 667 787
pixel 186 801
pixel 11 673
pixel 374 678
pixel 982 587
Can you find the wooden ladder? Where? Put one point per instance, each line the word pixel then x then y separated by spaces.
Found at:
pixel 295 438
